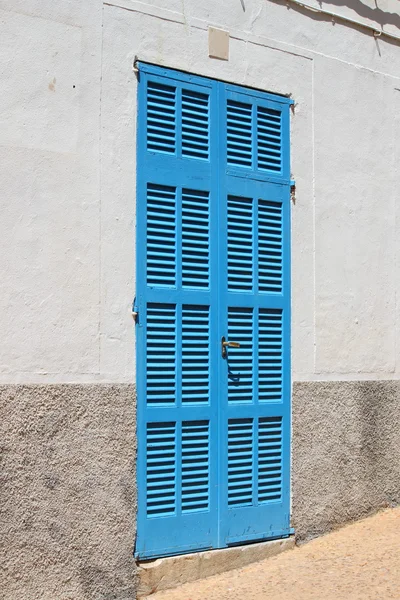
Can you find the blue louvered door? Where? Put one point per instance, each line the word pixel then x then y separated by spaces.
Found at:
pixel 177 341
pixel 255 312
pixel 212 261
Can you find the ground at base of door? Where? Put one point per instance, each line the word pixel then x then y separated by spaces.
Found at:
pixel 358 562
pixel 170 572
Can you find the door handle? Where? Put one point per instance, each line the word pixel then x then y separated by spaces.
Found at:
pixel 225 344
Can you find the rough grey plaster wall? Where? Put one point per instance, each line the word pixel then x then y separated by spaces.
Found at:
pixel 346 452
pixel 68 497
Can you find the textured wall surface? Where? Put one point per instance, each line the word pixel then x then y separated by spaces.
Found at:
pixel 68 501
pixel 346 452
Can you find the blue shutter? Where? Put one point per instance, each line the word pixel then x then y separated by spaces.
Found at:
pixel 240 462
pixel 212 260
pixel 255 312
pixel 195 239
pixel 240 243
pixel 256 134
pixel 255 466
pixel 239 134
pixel 161 448
pixel 161 342
pixel 270 459
pixel 161 234
pixel 195 124
pixel 161 117
pixel 176 337
pixel 241 362
pixel 269 139
pixel 195 371
pixel 195 466
pixel 270 354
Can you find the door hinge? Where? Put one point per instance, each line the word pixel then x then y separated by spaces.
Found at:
pixel 135 67
pixel 135 311
pixel 293 191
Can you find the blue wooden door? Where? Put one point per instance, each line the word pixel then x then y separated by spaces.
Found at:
pixel 212 270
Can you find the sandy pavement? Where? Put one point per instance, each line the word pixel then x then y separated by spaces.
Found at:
pixel 358 562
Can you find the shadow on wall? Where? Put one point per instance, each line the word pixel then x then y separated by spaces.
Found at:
pixel 376 16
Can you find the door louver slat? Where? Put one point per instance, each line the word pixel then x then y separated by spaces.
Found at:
pixel 195 239
pixel 161 354
pixel 240 243
pixel 269 139
pixel 269 459
pixel 195 124
pixel 239 134
pixel 161 117
pixel 195 354
pixel 195 466
pixel 161 469
pixel 240 361
pixel 161 235
pixel 270 367
pixel 240 462
pixel 270 249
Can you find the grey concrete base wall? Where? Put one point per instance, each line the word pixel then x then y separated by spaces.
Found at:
pixel 67 498
pixel 346 452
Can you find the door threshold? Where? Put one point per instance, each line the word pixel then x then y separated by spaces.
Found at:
pixel 173 571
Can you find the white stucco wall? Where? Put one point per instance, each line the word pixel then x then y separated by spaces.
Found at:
pixel 67 177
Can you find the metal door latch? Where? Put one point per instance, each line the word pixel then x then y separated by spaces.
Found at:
pixel 226 344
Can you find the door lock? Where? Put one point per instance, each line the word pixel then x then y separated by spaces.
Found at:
pixel 225 344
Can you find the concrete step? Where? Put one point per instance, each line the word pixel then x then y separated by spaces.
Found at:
pixel 173 571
